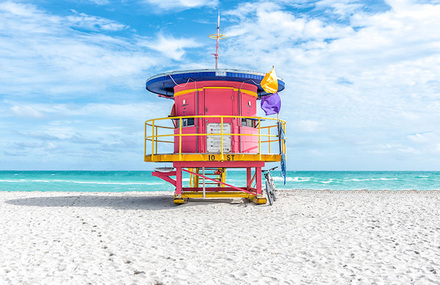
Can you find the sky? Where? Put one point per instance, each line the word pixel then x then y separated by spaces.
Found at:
pixel 362 77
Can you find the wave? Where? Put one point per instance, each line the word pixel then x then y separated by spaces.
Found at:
pixel 13 181
pixel 372 179
pixel 292 179
pixel 80 182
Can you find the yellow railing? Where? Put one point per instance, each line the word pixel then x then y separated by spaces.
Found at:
pixel 265 126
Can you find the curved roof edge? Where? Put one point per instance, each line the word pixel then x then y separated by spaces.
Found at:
pixel 163 84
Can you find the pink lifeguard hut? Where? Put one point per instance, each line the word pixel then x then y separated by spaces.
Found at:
pixel 213 126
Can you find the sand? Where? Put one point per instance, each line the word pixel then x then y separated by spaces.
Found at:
pixel 307 237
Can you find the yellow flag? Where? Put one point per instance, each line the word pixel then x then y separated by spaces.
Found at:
pixel 270 82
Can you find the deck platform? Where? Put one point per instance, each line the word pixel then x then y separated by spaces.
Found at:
pixel 171 157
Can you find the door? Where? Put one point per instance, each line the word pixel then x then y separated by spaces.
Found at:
pixel 218 102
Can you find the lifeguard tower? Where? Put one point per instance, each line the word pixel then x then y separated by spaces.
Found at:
pixel 212 127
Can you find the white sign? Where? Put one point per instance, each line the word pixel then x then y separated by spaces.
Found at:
pixel 213 142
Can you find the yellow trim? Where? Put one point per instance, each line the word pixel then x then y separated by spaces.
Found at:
pixel 214 116
pixel 259 200
pixel 217 194
pixel 252 93
pixel 195 135
pixel 183 92
pixel 179 201
pixel 170 157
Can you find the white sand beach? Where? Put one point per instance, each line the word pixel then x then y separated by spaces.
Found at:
pixel 307 237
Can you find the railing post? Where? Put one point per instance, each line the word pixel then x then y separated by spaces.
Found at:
pixel 157 133
pixel 259 137
pixel 221 136
pixel 180 138
pixel 268 130
pixel 145 141
pixel 152 141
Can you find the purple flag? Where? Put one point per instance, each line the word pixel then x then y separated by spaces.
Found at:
pixel 271 104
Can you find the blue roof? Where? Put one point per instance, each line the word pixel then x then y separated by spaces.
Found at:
pixel 164 83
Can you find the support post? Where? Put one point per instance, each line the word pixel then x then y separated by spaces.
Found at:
pixel 259 190
pixel 204 188
pixel 196 184
pixel 221 138
pixel 248 178
pixel 178 181
pixel 178 193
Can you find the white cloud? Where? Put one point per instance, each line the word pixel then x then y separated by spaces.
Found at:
pixel 94 23
pixel 93 111
pixel 170 46
pixel 419 138
pixel 26 111
pixel 341 8
pixel 18 9
pixel 100 2
pixel 181 4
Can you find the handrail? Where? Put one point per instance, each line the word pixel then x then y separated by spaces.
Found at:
pixel 225 134
pixel 213 116
pixel 155 137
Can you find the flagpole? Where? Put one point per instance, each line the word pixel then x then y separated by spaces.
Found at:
pixel 279 132
pixel 218 36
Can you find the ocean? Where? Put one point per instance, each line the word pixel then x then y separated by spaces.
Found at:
pixel 123 181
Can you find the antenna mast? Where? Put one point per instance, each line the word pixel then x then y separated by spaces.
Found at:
pixel 217 37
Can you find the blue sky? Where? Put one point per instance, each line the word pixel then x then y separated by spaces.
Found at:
pixel 362 77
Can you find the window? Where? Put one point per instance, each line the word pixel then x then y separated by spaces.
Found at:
pixel 190 122
pixel 248 123
pixel 185 122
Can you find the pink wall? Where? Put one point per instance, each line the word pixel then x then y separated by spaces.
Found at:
pixel 212 98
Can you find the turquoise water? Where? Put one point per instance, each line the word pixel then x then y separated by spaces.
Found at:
pixel 121 181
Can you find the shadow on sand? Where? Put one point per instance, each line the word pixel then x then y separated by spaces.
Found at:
pixel 161 202
pixel 116 202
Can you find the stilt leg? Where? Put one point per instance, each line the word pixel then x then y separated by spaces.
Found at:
pixel 248 178
pixel 196 184
pixel 259 191
pixel 259 199
pixel 178 193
